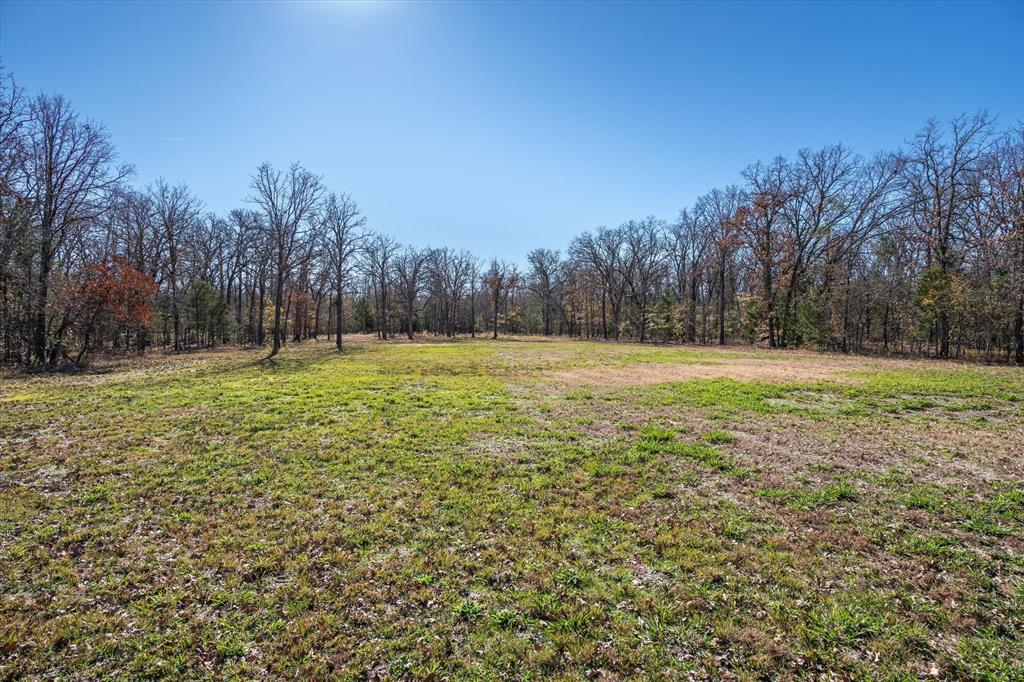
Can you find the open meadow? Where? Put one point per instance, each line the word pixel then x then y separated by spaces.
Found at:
pixel 515 509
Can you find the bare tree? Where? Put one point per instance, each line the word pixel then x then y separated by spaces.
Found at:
pixel 380 251
pixel 15 214
pixel 939 178
pixel 499 279
pixel 1005 216
pixel 603 253
pixel 289 201
pixel 545 279
pixel 409 270
pixel 177 211
pixel 815 191
pixel 470 265
pixel 69 166
pixel 245 231
pixel 342 228
pixel 448 273
pixel 718 210
pixel 690 244
pixel 13 121
pixel 759 223
pixel 642 265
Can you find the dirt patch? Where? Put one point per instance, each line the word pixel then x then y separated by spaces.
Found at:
pixel 738 369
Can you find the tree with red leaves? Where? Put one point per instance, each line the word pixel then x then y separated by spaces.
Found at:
pixel 111 299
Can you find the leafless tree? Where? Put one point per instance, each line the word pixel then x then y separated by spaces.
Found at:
pixel 1001 229
pixel 177 211
pixel 689 245
pixel 602 252
pixel 940 180
pixel 717 210
pixel 13 123
pixel 245 235
pixel 289 201
pixel 449 273
pixel 343 225
pixel 642 265
pixel 409 268
pixel 499 279
pixel 380 251
pixel 69 166
pixel 545 278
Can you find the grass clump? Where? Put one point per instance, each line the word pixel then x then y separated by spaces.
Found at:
pixel 719 437
pixel 810 497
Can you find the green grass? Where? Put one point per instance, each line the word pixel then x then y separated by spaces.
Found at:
pixel 812 498
pixel 463 510
pixel 945 392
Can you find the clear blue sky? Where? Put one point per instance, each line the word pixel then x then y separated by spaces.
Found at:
pixel 503 127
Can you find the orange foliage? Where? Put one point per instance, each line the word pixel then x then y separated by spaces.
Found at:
pixel 118 290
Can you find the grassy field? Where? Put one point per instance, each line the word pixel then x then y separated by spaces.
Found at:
pixel 513 510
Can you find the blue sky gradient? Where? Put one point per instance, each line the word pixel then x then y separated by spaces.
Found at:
pixel 504 127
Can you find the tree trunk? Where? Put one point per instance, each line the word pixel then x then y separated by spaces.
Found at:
pixel 284 320
pixel 721 303
pixel 691 325
pixel 409 312
pixel 604 313
pixel 1018 332
pixel 495 317
pixel 338 322
pixel 278 304
pixel 943 334
pixel 769 301
pixel 175 312
pixel 39 338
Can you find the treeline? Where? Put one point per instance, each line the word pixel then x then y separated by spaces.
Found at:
pixel 919 250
